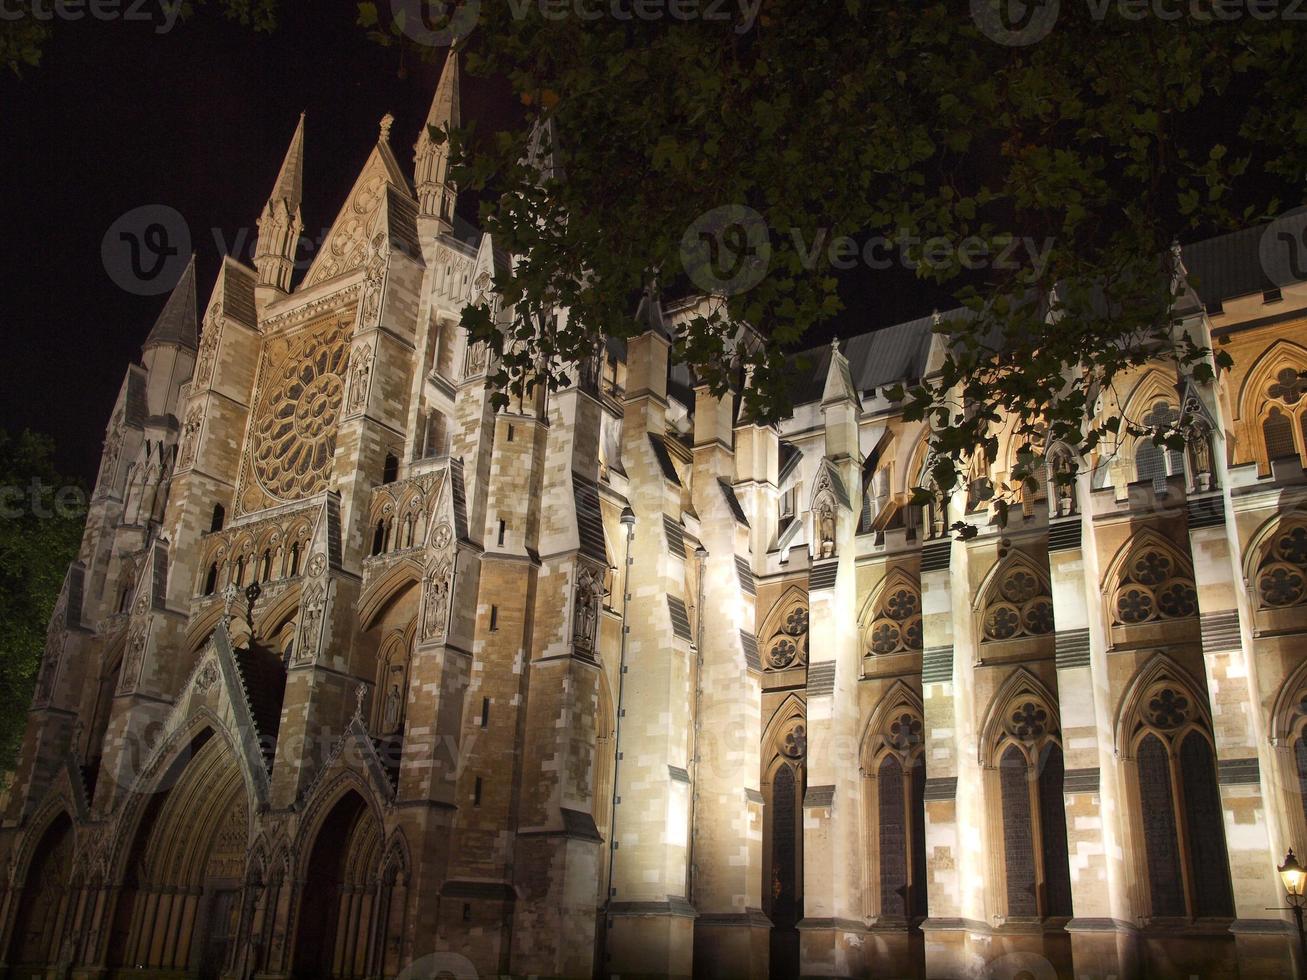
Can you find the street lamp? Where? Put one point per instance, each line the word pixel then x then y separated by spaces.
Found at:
pixel 1294 877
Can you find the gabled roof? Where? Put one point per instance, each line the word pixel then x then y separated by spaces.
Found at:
pixel 177 324
pixel 1227 266
pixel 877 358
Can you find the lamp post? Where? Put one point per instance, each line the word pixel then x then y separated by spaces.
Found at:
pixel 1294 877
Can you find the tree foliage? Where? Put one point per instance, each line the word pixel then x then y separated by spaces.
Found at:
pixel 41 519
pixel 1101 142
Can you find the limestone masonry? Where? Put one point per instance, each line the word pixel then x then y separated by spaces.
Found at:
pixel 619 681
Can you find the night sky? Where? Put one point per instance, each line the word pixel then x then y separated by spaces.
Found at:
pixel 118 117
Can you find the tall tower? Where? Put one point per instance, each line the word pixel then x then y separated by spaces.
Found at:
pixel 436 194
pixel 280 224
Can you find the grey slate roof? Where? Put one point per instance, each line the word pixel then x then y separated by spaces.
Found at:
pixel 177 324
pixel 877 358
pixel 1226 266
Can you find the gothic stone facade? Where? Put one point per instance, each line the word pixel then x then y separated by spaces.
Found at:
pixel 618 681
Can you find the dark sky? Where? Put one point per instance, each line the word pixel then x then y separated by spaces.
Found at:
pixel 119 117
pixel 198 119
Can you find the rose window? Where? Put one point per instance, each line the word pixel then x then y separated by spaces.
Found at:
pixel 1168 709
pixel 788 644
pixel 902 604
pixel 885 637
pixel 294 435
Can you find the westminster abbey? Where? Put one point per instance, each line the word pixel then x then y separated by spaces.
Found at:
pixel 358 677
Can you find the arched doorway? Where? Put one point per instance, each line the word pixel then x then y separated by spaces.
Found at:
pixel 178 905
pixel 339 889
pixel 43 906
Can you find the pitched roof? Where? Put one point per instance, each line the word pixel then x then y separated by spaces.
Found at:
pixel 177 324
pixel 1227 266
pixel 290 179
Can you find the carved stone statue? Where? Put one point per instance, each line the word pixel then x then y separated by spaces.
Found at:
pixel 390 716
pixel 826 530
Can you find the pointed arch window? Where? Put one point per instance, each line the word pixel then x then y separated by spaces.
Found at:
pixel 1154 462
pixel 1028 770
pixel 787 632
pixel 1179 804
pixel 1289 735
pixel 897 773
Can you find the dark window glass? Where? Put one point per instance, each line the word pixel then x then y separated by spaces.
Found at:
pixel 1052 824
pixel 893 839
pixel 784 865
pixel 1018 846
pixel 1278 434
pixel 1162 850
pixel 1202 803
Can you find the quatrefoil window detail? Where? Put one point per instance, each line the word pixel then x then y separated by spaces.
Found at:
pixel 1168 709
pixel 895 621
pixel 1282 577
pixel 905 731
pixel 787 645
pixel 783 653
pixel 1029 721
pixel 1019 606
pixel 1154 587
pixel 1288 386
pixel 796 742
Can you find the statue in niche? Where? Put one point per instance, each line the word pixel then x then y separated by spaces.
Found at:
pixel 826 530
pixel 391 714
pixel 587 599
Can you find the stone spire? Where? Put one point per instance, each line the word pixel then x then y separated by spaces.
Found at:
pixel 436 194
pixel 281 222
pixel 177 324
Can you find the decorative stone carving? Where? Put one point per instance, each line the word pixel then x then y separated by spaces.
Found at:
pixel 435 599
pixel 788 645
pixel 361 378
pixel 133 658
pixel 206 678
pixel 312 608
pixel 589 592
pixel 1154 586
pixel 191 436
pixel 794 744
pixel 208 347
pixel 1282 575
pixel 1019 604
pixel 896 619
pixel 373 281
